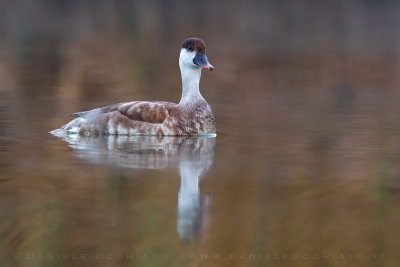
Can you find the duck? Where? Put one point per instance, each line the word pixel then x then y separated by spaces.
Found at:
pixel 191 116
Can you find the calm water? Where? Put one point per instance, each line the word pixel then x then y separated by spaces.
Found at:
pixel 304 171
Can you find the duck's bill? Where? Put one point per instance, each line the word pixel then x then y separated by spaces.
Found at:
pixel 210 67
pixel 201 60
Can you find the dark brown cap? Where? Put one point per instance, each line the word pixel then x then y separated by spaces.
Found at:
pixel 194 44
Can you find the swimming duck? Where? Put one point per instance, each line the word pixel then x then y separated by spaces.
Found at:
pixel 191 116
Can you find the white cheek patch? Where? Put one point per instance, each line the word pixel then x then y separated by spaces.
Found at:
pixel 186 57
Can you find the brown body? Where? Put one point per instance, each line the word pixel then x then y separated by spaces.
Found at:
pixel 145 118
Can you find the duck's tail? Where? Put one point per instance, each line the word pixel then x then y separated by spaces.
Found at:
pixel 76 126
pixel 85 124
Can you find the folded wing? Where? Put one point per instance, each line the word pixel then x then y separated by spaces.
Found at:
pixel 151 112
pixel 136 117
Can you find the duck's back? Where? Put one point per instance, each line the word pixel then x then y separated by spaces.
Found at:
pixel 144 118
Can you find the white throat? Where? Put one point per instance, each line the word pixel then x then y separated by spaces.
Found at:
pixel 190 78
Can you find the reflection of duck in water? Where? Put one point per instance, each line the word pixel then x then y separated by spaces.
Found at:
pixel 191 204
pixel 192 155
pixel 192 116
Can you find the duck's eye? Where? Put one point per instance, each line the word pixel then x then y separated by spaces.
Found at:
pixel 190 48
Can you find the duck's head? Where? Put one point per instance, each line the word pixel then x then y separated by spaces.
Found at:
pixel 193 54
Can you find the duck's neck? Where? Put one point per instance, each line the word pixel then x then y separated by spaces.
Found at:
pixel 190 85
